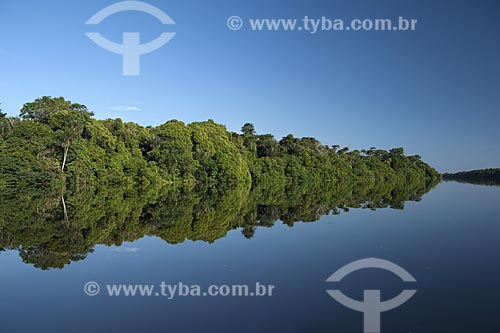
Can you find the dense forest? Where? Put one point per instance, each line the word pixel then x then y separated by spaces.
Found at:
pixel 481 177
pixel 69 181
pixel 58 145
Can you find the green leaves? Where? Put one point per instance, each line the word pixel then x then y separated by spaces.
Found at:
pixel 44 107
pixel 122 181
pixel 55 131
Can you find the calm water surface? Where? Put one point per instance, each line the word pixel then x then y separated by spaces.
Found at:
pixel 449 241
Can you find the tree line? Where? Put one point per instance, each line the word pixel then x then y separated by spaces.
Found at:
pixel 48 234
pixel 69 181
pixel 57 144
pixel 481 177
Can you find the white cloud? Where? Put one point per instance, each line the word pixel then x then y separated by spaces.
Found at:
pixel 124 249
pixel 124 108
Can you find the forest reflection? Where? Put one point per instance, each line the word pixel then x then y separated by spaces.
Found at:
pixel 51 231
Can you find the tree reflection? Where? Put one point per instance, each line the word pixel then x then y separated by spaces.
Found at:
pixel 36 223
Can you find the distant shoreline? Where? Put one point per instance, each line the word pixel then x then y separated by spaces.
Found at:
pixel 483 177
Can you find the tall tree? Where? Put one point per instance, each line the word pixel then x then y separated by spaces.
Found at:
pixel 68 126
pixel 67 119
pixel 42 108
pixel 248 129
pixel 249 139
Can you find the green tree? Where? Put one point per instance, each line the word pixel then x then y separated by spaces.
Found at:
pixel 174 151
pixel 68 126
pixel 42 108
pixel 343 151
pixel 248 129
pixel 249 139
pixel 55 134
pixel 267 146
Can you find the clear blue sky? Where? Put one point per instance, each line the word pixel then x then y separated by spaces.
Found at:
pixel 434 91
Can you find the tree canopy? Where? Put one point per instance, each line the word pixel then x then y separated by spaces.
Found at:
pixel 57 141
pixel 44 107
pixel 69 181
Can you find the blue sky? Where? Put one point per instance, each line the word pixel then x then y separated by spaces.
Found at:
pixel 434 91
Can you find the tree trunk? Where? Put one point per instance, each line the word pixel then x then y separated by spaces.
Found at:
pixel 66 219
pixel 66 147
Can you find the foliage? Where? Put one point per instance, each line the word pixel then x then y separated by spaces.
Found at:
pixel 43 108
pixel 69 181
pixel 89 151
pixel 35 223
pixel 482 177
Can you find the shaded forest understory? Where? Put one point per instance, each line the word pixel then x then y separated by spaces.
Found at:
pixel 69 181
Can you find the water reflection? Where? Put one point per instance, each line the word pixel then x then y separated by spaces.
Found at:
pixel 485 182
pixel 51 231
